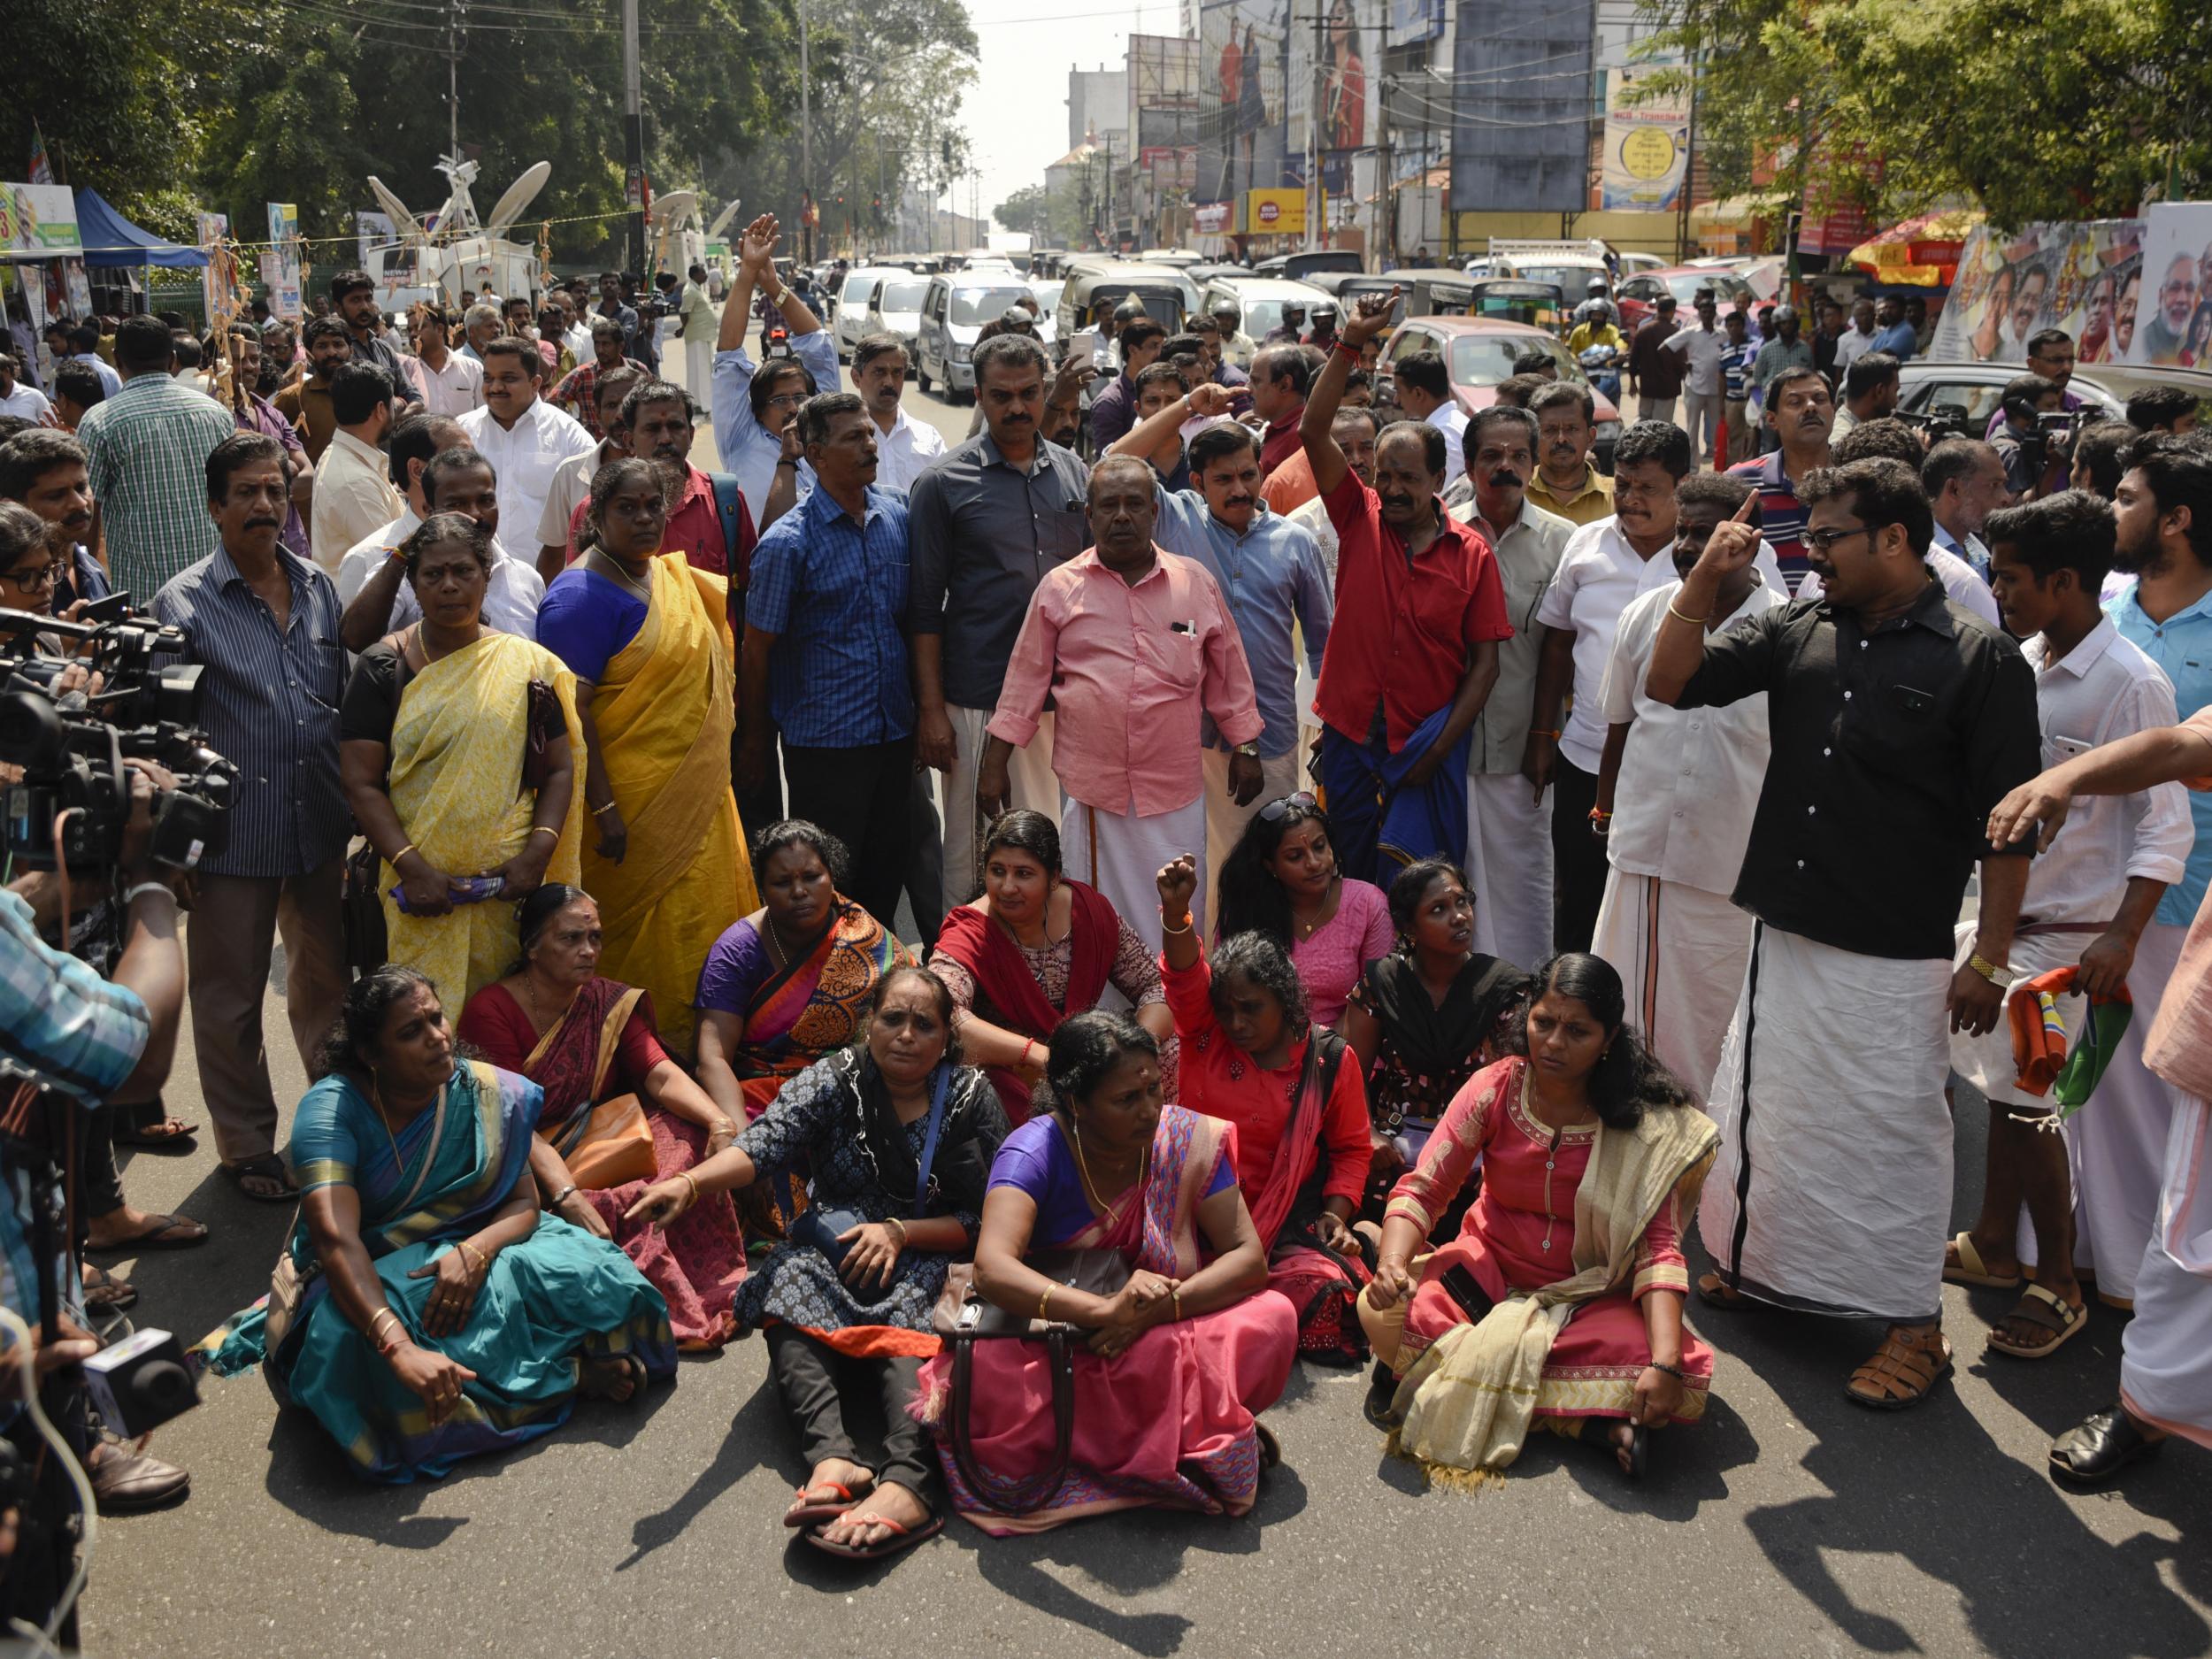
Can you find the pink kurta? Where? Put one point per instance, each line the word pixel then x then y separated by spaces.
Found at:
pixel 1519 1235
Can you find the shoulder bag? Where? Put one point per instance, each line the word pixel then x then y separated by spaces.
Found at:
pixel 824 1225
pixel 368 945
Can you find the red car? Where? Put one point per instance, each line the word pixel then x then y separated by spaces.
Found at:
pixel 1478 353
pixel 1636 297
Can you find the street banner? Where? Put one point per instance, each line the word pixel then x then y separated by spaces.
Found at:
pixel 2081 275
pixel 1211 218
pixel 1647 147
pixel 43 220
pixel 2173 321
pixel 372 230
pixel 219 279
pixel 284 238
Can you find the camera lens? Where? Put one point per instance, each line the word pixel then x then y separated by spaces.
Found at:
pixel 31 731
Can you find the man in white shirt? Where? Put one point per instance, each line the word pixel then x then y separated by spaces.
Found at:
pixel 1677 790
pixel 699 327
pixel 2091 893
pixel 451 384
pixel 1965 481
pixel 524 438
pixel 571 480
pixel 25 402
pixel 904 446
pixel 1607 563
pixel 449 477
pixel 1425 392
pixel 1702 347
pixel 1509 835
pixel 353 485
pixel 1858 339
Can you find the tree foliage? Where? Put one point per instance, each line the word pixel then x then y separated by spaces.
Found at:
pixel 2034 109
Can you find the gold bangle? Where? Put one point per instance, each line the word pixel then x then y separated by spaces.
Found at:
pixel 383 1313
pixel 1695 622
pixel 1044 1299
pixel 544 829
pixel 1175 1298
pixel 601 812
pixel 1176 931
pixel 402 853
pixel 693 1183
pixel 483 1262
pixel 892 1221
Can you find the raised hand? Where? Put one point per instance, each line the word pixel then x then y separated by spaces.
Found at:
pixel 1178 881
pixel 1733 544
pixel 756 249
pixel 1370 317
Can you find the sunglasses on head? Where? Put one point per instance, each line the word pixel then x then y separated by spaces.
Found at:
pixel 1275 810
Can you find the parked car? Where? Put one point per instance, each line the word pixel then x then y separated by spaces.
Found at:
pixel 1478 353
pixel 895 308
pixel 851 312
pixel 954 310
pixel 1979 387
pixel 1260 303
pixel 1637 296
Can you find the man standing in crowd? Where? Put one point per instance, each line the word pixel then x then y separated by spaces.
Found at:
pixel 264 626
pixel 1827 336
pixel 989 518
pixel 480 325
pixel 1271 578
pixel 612 307
pixel 305 403
pixel 1567 482
pixel 1508 844
pixel 81 344
pixel 700 327
pixel 353 296
pixel 1413 647
pixel 44 470
pixel 1216 330
pixel 749 430
pixel 1354 432
pixel 451 383
pixel 1893 335
pixel 1859 338
pixel 1701 347
pixel 710 522
pixel 526 439
pixel 76 392
pixel 571 480
pixel 904 446
pixel 25 402
pixel 1291 330
pixel 353 485
pixel 2050 354
pixel 1134 647
pixel 1898 721
pixel 1425 392
pixel 1893 440
pixel 2033 466
pixel 1869 392
pixel 146 447
pixel 1280 375
pixel 1676 789
pixel 1741 435
pixel 1114 410
pixel 1782 350
pixel 824 656
pixel 2089 898
pixel 373 582
pixel 1800 411
pixel 1655 374
pixel 2160 408
pixel 1965 482
pixel 578 392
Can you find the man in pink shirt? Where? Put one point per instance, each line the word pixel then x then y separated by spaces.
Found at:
pixel 1133 644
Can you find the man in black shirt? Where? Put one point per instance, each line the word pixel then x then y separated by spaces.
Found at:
pixel 1898 720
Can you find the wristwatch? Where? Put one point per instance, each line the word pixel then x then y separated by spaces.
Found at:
pixel 1250 750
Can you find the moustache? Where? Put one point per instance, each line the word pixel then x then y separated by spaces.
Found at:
pixel 264 524
pixel 1506 478
pixel 668 452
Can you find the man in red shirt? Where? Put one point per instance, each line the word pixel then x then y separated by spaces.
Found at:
pixel 713 535
pixel 1280 377
pixel 1413 649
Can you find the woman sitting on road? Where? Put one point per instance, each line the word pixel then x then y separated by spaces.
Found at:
pixel 1179 1361
pixel 437 722
pixel 588 1041
pixel 898 1136
pixel 1561 1299
pixel 1036 948
pixel 1424 1018
pixel 1253 1058
pixel 424 1310
pixel 1280 880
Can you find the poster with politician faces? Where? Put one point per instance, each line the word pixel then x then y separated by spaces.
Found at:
pixel 2078 275
pixel 2173 326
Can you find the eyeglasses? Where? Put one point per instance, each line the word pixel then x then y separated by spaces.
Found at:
pixel 1822 540
pixel 31 581
pixel 1275 811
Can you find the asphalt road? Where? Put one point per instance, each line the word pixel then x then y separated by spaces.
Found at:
pixel 1790 1523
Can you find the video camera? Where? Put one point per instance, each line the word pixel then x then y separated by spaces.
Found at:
pixel 1940 421
pixel 71 746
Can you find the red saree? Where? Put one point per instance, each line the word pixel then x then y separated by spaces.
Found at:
pixel 1171 1421
pixel 1319 1283
pixel 989 952
pixel 592 1056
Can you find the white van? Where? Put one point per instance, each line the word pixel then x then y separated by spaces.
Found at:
pixel 953 310
pixel 895 307
pixel 861 284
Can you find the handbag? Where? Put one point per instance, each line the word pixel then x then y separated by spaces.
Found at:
pixel 614 1147
pixel 542 723
pixel 823 1225
pixel 961 1318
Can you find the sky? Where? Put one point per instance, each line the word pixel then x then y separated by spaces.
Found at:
pixel 1016 116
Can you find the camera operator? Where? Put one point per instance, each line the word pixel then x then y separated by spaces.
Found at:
pixel 82 1042
pixel 2036 460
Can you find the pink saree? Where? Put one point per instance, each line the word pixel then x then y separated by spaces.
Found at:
pixel 1168 1422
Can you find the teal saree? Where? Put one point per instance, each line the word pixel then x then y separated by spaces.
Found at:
pixel 548 1299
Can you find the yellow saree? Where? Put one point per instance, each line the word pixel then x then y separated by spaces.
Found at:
pixel 665 708
pixel 456 785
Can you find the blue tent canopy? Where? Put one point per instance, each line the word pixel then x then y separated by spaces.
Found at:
pixel 111 240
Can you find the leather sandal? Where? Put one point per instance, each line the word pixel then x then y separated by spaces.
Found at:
pixel 1901 1372
pixel 2095 1450
pixel 2047 1311
pixel 1971 1269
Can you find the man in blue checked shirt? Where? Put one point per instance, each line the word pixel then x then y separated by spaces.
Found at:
pixel 824 659
pixel 1269 572
pixel 1739 429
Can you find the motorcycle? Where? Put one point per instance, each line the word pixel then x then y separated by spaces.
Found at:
pixel 1602 366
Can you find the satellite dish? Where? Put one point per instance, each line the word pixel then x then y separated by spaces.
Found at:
pixel 722 219
pixel 519 194
pixel 401 219
pixel 676 207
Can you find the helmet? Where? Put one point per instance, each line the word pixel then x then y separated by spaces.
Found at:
pixel 1017 317
pixel 1226 307
pixel 1596 285
pixel 1129 310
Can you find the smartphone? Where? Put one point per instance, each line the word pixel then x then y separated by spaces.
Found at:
pixel 1462 1286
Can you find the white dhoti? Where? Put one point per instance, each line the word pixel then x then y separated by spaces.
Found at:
pixel 2166 1351
pixel 1120 853
pixel 699 373
pixel 1680 952
pixel 1030 783
pixel 1225 820
pixel 2119 1138
pixel 1832 1190
pixel 1508 868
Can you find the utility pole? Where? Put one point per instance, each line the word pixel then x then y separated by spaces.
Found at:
pixel 1316 192
pixel 453 79
pixel 1689 177
pixel 806 141
pixel 633 132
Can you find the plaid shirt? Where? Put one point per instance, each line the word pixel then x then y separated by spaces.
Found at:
pixel 834 593
pixel 147 449
pixel 579 393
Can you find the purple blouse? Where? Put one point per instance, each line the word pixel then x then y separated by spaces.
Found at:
pixel 1037 1160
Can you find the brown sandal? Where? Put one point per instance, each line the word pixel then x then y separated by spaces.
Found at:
pixel 2048 1312
pixel 1901 1372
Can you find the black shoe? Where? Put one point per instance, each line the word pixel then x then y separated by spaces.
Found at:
pixel 1382 1396
pixel 2094 1451
pixel 125 1482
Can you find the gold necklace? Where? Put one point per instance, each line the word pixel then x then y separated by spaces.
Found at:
pixel 376 1100
pixel 624 576
pixel 1090 1189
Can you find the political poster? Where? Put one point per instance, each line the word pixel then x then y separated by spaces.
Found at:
pixel 1246 140
pixel 1647 147
pixel 2173 325
pixel 372 230
pixel 2081 275
pixel 40 221
pixel 219 279
pixel 284 241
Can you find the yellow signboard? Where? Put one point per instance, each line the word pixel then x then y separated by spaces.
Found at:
pixel 1280 212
